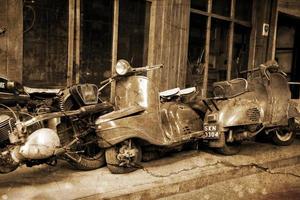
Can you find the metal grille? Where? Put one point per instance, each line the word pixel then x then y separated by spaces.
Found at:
pixel 6 125
pixel 253 114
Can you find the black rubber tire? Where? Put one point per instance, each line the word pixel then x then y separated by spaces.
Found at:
pixel 113 163
pixel 280 140
pixel 229 149
pixel 88 163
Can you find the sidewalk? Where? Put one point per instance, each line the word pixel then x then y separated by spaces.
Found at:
pixel 181 173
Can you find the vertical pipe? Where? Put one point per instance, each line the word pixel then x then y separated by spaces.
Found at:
pixel 77 41
pixel 71 42
pixel 252 45
pixel 114 47
pixel 207 45
pixel 230 40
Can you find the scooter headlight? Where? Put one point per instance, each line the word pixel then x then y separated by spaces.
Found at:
pixel 122 67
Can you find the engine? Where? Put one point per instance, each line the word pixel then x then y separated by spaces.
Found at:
pixel 7 124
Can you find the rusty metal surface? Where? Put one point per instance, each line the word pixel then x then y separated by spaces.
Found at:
pixel 163 124
pixel 137 90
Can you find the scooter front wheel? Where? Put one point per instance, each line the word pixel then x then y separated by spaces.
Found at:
pixel 123 158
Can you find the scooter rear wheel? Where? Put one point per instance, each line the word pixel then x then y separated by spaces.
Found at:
pixel 114 164
pixel 230 148
pixel 283 137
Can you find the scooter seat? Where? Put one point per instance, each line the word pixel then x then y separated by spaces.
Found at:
pixel 29 90
pixel 187 91
pixel 169 93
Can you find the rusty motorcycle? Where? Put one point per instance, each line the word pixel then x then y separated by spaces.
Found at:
pixel 40 126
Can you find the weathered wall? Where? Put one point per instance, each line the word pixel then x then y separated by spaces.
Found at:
pixel 168 43
pixel 11 43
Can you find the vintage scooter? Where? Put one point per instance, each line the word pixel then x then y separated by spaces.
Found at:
pixel 242 109
pixel 144 119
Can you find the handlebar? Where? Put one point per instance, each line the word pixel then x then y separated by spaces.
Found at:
pixel 147 68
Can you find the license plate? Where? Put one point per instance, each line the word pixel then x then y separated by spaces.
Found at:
pixel 211 132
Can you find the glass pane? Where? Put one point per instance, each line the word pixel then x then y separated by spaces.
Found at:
pixel 96 40
pixel 134 31
pixel 218 54
pixel 221 7
pixel 240 50
pixel 45 43
pixel 243 10
pixel 196 50
pixel 199 4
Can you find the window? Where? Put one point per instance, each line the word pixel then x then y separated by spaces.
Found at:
pixel 219 41
pixel 199 4
pixel 72 41
pixel 133 31
pixel 96 40
pixel 45 43
pixel 196 49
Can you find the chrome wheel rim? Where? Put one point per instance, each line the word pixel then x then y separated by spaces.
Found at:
pixel 283 136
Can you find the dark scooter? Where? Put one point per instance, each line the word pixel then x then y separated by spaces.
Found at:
pixel 144 119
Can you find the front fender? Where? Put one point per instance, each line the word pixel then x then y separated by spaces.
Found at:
pixel 119 114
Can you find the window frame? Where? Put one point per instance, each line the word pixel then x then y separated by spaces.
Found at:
pixel 232 21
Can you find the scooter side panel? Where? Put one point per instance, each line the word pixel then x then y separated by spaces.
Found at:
pixel 144 126
pixel 179 120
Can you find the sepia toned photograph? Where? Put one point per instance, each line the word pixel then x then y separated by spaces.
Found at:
pixel 150 99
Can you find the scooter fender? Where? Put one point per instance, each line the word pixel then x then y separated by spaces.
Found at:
pixel 144 126
pixel 240 112
pixel 119 114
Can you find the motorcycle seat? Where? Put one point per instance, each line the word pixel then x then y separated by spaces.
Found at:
pixel 169 93
pixel 186 91
pixel 30 90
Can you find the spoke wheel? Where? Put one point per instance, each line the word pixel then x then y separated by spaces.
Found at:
pixel 84 154
pixel 283 137
pixel 123 158
pixel 89 155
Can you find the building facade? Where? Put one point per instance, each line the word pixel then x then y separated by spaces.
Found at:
pixel 54 43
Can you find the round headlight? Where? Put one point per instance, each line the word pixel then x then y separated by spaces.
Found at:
pixel 122 67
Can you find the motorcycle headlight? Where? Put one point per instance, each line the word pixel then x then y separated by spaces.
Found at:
pixel 122 67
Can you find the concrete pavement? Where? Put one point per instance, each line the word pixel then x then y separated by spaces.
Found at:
pixel 181 173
